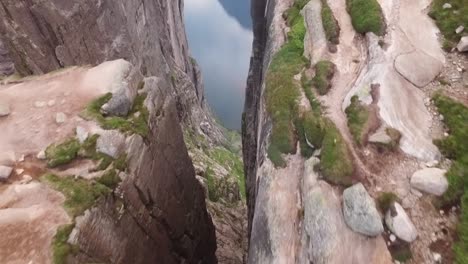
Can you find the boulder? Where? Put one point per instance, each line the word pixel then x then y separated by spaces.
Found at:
pixel 463 44
pixel 400 224
pixel 418 67
pixel 360 213
pixel 111 142
pixel 4 109
pixel 5 172
pixel 119 105
pixel 430 180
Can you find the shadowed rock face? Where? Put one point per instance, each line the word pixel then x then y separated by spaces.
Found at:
pixel 158 214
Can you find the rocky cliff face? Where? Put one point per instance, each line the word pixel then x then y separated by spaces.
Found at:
pixel 158 212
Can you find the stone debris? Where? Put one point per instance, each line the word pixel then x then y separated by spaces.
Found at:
pixel 41 155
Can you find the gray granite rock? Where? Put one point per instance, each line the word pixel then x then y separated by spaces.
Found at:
pixel 360 212
pixel 430 180
pixel 400 224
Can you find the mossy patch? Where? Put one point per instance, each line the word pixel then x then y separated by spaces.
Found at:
pixel 63 153
pixel 449 19
pixel 366 16
pixel 80 194
pixel 324 72
pixel 330 25
pixel 385 200
pixel 455 147
pixel 136 121
pixel 358 115
pixel 60 247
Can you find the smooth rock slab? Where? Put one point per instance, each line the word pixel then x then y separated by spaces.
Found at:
pixel 430 180
pixel 111 142
pixel 360 213
pixel 5 172
pixel 400 224
pixel 418 68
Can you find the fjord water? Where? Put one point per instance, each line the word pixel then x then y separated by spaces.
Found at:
pixel 220 39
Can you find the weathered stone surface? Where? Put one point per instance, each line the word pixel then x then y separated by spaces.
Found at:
pixel 111 142
pixel 5 172
pixel 82 134
pixel 430 180
pixel 4 109
pixel 400 224
pixel 360 212
pixel 463 44
pixel 428 67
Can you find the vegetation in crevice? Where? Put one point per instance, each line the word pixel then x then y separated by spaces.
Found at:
pixel 136 121
pixel 330 25
pixel 60 247
pixel 324 72
pixel 455 147
pixel 450 19
pixel 366 16
pixel 358 115
pixel 385 200
pixel 233 163
pixel 64 153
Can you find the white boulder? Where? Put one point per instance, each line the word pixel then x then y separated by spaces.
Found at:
pixel 430 180
pixel 400 224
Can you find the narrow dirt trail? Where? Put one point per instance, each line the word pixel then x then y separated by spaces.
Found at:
pixel 350 60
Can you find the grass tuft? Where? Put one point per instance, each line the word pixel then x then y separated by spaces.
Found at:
pixel 61 154
pixel 366 16
pixel 358 116
pixel 449 19
pixel 324 72
pixel 454 147
pixel 385 200
pixel 80 194
pixel 330 25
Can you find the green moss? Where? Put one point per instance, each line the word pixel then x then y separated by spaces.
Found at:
pixel 324 71
pixel 447 20
pixel 233 163
pixel 133 123
pixel 336 164
pixel 357 115
pixel 366 16
pixel 110 179
pixel 80 194
pixel 282 91
pixel 60 247
pixel 455 147
pixel 330 25
pixel 385 200
pixel 61 154
pixel 310 129
pixel 213 191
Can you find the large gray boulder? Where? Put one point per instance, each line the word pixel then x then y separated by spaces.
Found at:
pixel 5 172
pixel 111 142
pixel 463 44
pixel 430 180
pixel 360 213
pixel 400 224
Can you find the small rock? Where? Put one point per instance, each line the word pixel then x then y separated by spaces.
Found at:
pixel 463 44
pixel 41 155
pixel 111 142
pixel 60 118
pixel 82 134
pixel 430 180
pixel 19 171
pixel 4 109
pixel 446 134
pixel 459 29
pixel 51 103
pixel 359 211
pixel 441 117
pixel 5 172
pixel 392 238
pixel 441 212
pixel 21 158
pixel 39 104
pixel 437 257
pixel 400 224
pixel 447 6
pixel 459 69
pixel 137 114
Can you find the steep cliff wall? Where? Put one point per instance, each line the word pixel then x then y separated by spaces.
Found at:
pixel 158 212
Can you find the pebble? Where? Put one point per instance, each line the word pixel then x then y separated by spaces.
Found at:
pixel 392 238
pixel 39 104
pixel 437 257
pixel 60 118
pixel 51 103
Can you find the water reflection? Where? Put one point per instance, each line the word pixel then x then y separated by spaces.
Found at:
pixel 222 47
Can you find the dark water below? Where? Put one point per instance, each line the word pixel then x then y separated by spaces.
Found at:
pixel 220 38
